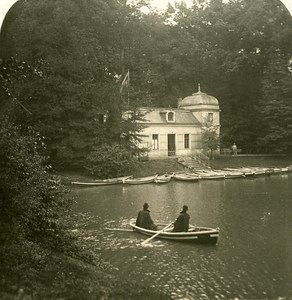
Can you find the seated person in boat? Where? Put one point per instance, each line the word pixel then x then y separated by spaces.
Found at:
pixel 182 222
pixel 144 219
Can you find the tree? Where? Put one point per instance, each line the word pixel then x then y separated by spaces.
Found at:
pixel 276 106
pixel 109 161
pixel 31 199
pixel 210 137
pixel 78 43
pixel 235 38
pixel 85 46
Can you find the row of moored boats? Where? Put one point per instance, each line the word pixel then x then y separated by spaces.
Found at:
pixel 200 174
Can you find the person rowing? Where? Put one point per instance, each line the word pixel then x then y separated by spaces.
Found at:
pixel 183 220
pixel 144 219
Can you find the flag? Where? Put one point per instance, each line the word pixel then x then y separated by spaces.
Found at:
pixel 126 81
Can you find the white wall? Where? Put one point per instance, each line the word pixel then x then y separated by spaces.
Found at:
pixel 179 131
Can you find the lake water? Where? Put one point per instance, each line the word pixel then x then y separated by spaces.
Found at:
pixel 253 256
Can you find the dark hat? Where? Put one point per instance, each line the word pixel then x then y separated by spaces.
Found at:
pixel 145 205
pixel 185 208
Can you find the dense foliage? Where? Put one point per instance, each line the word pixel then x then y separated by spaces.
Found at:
pixel 32 206
pixel 109 161
pixel 40 258
pixel 61 67
pixel 239 50
pixel 28 192
pixel 78 86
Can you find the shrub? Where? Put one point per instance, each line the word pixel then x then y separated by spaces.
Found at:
pixel 109 161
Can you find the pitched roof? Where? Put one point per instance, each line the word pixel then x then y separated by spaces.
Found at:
pixel 156 115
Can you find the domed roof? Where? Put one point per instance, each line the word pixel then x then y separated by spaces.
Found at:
pixel 199 98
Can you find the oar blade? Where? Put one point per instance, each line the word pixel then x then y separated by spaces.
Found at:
pixel 156 234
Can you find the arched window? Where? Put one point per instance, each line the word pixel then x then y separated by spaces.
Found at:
pixel 170 116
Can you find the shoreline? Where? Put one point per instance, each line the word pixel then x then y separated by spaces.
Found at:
pixel 171 165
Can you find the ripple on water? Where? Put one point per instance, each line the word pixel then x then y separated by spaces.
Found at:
pixel 246 263
pixel 200 281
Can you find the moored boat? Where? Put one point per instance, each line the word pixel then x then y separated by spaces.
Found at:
pixel 102 182
pixel 274 170
pixel 245 171
pixel 259 171
pixel 195 234
pixel 211 175
pixel 141 180
pixel 230 174
pixel 285 169
pixel 165 178
pixel 186 177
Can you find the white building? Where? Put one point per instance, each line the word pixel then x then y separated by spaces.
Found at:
pixel 178 131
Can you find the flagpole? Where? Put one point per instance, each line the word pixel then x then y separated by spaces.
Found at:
pixel 128 87
pixel 126 83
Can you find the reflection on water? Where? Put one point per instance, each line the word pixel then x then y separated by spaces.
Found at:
pixel 253 257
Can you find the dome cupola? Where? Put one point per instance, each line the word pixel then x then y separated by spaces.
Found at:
pixel 198 99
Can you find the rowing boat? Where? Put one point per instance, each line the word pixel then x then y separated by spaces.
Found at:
pixel 259 170
pixel 245 171
pixel 211 175
pixel 141 180
pixel 186 177
pixel 277 170
pixel 102 182
pixel 231 175
pixel 201 235
pixel 163 178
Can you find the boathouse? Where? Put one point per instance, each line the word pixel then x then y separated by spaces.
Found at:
pixel 175 132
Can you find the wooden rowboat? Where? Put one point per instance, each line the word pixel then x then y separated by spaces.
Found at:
pixel 162 178
pixel 211 175
pixel 260 171
pixel 230 175
pixel 277 170
pixel 245 171
pixel 101 182
pixel 186 177
pixel 201 235
pixel 141 180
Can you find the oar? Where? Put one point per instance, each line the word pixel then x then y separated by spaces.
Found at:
pixel 156 234
pixel 120 229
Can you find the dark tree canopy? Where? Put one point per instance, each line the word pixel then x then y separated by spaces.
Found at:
pixel 238 50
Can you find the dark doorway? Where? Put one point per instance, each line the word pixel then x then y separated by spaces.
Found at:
pixel 171 144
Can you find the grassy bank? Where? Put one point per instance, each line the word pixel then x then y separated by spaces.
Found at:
pixel 171 165
pixel 141 168
pixel 249 161
pixel 161 166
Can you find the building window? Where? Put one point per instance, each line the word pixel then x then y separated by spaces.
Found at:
pixel 210 117
pixel 187 141
pixel 170 116
pixel 154 141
